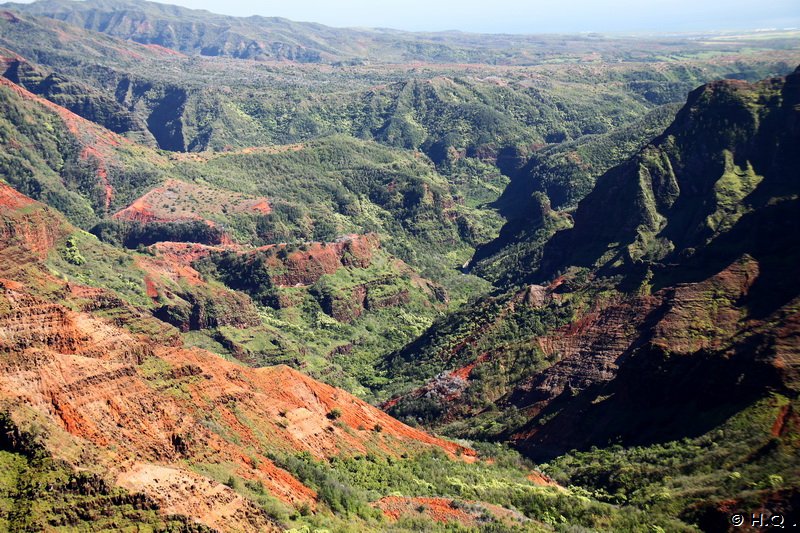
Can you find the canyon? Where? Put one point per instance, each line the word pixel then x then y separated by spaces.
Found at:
pixel 260 275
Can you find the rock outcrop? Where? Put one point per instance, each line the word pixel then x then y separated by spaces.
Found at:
pixel 306 267
pixel 731 151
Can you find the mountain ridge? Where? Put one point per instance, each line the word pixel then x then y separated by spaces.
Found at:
pixel 631 351
pixel 275 38
pixel 664 175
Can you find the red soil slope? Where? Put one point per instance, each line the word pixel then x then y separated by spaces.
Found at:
pixel 154 415
pixel 98 143
pixel 445 510
pixel 177 201
pixel 26 223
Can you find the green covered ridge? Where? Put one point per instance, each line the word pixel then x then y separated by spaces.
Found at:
pixel 689 249
pixel 199 32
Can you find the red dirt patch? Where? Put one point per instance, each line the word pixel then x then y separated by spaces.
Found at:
pixel 163 50
pixel 439 509
pixel 90 152
pixel 540 479
pixel 27 223
pixel 11 285
pixel 446 510
pixel 10 199
pixel 780 421
pixel 174 262
pixel 305 267
pixel 179 201
pixel 150 288
pixel 466 371
pixel 262 207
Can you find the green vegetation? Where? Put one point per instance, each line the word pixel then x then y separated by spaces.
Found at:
pixel 545 192
pixel 336 328
pixel 43 158
pixel 347 485
pixel 35 146
pixel 340 185
pixel 38 492
pixel 741 460
pixel 86 260
pixel 248 273
pixel 502 326
pixel 694 201
pixel 71 253
pixel 135 234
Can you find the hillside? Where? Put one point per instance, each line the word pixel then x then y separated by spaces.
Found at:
pixel 729 153
pixel 291 217
pixel 674 175
pixel 141 430
pixel 666 322
pixel 194 102
pixel 541 197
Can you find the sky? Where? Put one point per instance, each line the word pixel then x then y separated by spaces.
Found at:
pixel 520 16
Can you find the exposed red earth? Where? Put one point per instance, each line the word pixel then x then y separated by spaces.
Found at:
pixel 179 201
pixel 146 408
pixel 447 511
pixel 98 143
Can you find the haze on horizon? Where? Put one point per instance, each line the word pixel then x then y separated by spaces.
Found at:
pixel 516 16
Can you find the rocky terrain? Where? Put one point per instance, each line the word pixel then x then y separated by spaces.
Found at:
pixel 266 275
pixel 152 412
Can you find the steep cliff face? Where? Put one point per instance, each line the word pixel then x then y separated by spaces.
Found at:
pixel 83 100
pixel 543 193
pixel 730 151
pixel 650 368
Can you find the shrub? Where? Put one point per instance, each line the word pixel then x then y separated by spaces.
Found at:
pixel 71 253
